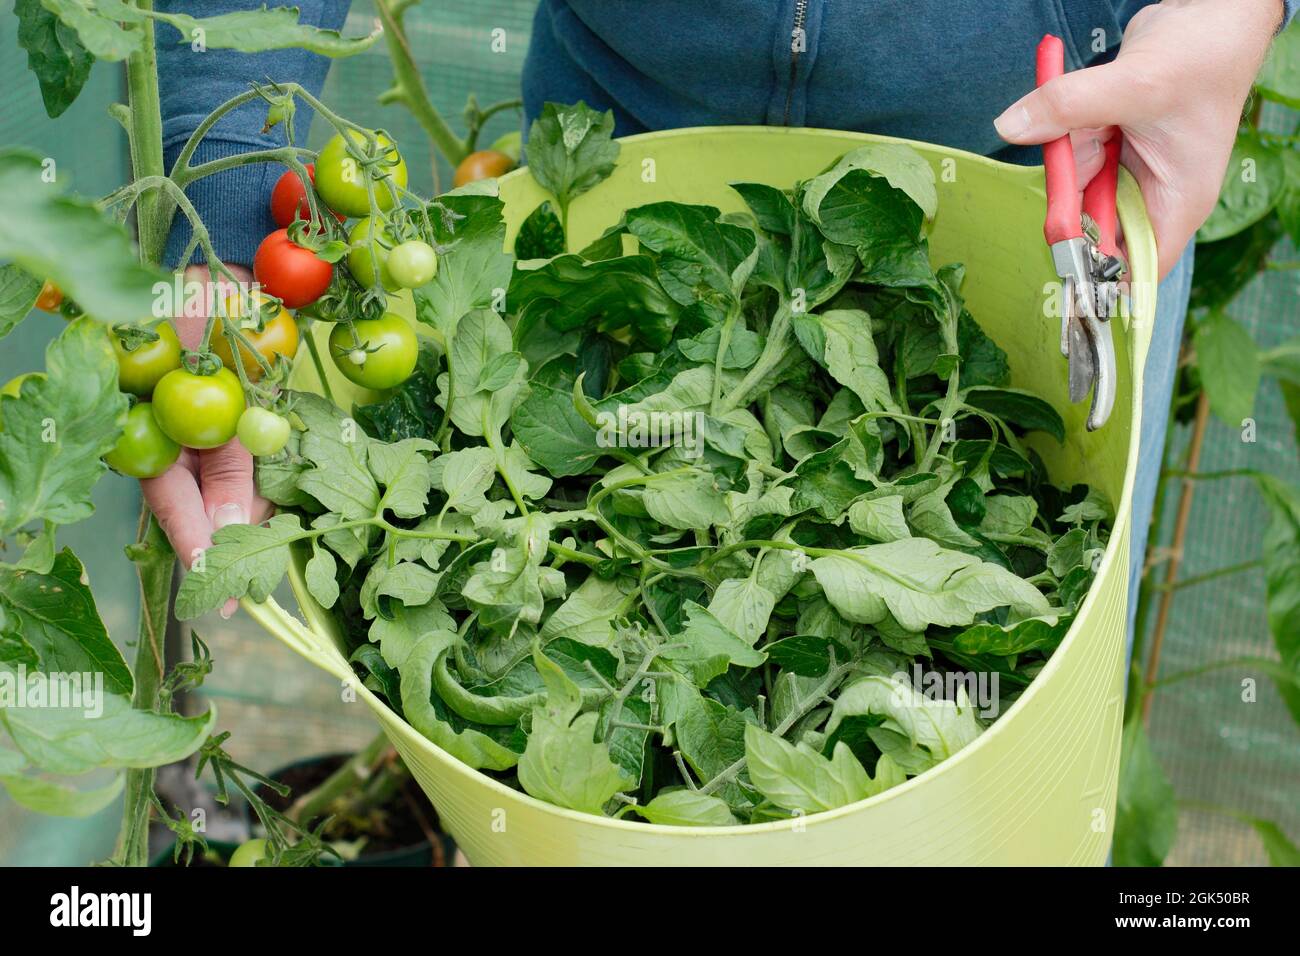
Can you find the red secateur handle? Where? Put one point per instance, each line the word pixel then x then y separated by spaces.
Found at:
pixel 1099 197
pixel 1063 207
pixel 1064 220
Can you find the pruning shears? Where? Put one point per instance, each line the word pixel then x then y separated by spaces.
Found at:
pixel 1082 236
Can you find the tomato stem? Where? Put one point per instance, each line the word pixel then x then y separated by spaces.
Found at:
pixel 408 84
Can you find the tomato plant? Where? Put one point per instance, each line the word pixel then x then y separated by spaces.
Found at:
pixel 291 273
pixel 382 355
pixel 262 431
pixel 144 450
pixel 341 177
pixel 412 263
pixel 140 368
pixel 99 264
pixel 485 164
pixel 279 336
pixel 199 411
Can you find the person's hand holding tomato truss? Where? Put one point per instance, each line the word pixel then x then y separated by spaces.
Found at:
pixel 204 490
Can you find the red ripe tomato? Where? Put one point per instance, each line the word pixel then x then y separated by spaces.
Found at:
pixel 289 272
pixel 289 199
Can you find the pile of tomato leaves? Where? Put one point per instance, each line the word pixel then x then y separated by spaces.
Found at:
pixel 688 526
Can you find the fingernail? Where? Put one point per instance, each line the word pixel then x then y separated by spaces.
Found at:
pixel 228 609
pixel 1013 123
pixel 229 514
pixel 1088 150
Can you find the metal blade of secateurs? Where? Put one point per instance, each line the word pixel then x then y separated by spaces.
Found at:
pixel 1102 349
pixel 1083 370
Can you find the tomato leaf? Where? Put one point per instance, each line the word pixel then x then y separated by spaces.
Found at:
pixel 570 149
pixel 55 799
pixel 1146 815
pixel 554 434
pixel 688 808
pixel 1229 365
pixel 68 740
pixel 254 31
pixel 110 30
pixel 474 271
pixel 570 293
pixel 56 431
pixel 55 55
pixel 243 560
pixel 1279 79
pixel 921 584
pixel 38 225
pixel 56 615
pixel 541 236
pixel 18 292
pixel 1018 407
pixel 1252 185
pixel 1281 851
pixel 1282 573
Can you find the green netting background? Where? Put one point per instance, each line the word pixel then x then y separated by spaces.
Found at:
pixel 1216 748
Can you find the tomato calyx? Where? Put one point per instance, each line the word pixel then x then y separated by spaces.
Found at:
pixel 200 363
pixel 134 337
pixel 370 153
pixel 356 354
pixel 309 236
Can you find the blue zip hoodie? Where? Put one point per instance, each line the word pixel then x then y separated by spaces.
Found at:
pixel 934 70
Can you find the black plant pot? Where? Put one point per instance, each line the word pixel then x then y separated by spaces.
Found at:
pixel 417 853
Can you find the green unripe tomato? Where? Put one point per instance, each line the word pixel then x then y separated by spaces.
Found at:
pixel 249 853
pixel 412 264
pixel 139 370
pixel 341 180
pixel 143 451
pixel 363 255
pixel 388 354
pixel 510 143
pixel 262 431
pixel 199 411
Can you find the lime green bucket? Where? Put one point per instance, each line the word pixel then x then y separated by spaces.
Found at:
pixel 1039 786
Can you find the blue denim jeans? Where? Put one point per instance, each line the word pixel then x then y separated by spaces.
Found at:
pixel 1157 390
